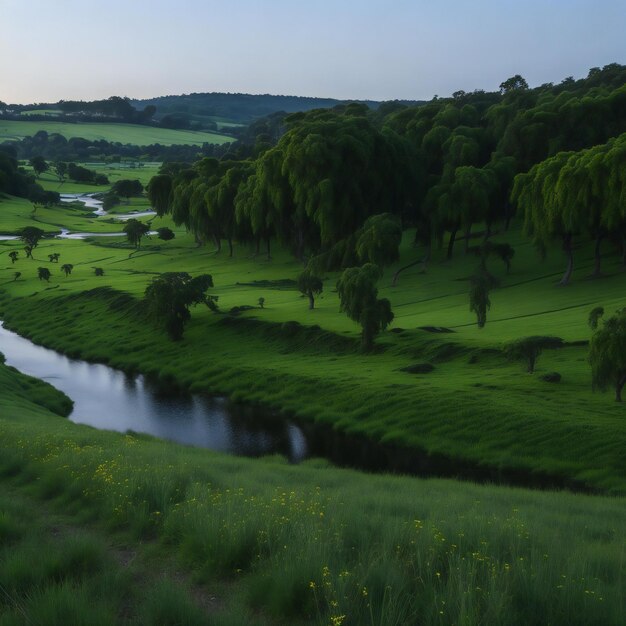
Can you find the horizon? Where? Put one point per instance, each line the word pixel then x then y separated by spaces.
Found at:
pixel 346 51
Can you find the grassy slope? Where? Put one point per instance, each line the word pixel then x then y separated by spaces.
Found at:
pixel 273 543
pixel 122 133
pixel 488 412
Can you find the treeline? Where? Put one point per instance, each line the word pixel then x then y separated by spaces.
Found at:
pixel 56 147
pixel 311 181
pixel 113 109
pixel 237 107
pixel 16 181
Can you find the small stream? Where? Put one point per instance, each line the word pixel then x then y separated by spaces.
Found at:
pixel 110 399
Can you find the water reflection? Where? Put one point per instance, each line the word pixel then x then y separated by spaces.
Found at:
pixel 110 399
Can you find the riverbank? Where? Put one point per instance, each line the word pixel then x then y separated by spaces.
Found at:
pixel 273 543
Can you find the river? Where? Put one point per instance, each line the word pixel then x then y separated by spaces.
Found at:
pixel 109 399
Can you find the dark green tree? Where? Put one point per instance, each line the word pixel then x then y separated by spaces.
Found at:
pixel 67 268
pixel 378 240
pixel 126 188
pixel 481 283
pixel 169 296
pixel 98 271
pixel 165 233
pixel 135 230
pixel 39 165
pixel 607 355
pixel 16 275
pixel 43 273
pixel 529 349
pixel 60 169
pixel 13 255
pixel 159 192
pixel 31 235
pixel 358 295
pixel 310 285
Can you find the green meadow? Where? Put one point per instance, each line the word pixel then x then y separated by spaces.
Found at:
pixel 474 407
pixel 106 528
pixel 122 133
pixel 138 530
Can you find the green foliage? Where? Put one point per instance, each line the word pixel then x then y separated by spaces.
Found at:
pixel 159 192
pixel 43 273
pixel 67 268
pixel 31 236
pixel 169 296
pixel 530 348
pixel 310 285
pixel 481 283
pixel 607 354
pixel 165 233
pixel 39 165
pixel 135 230
pixel 594 317
pixel 359 300
pixel 127 188
pixel 378 240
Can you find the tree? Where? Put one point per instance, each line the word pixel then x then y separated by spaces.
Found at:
pixel 607 355
pixel 529 348
pixel 127 188
pixel 169 296
pixel 39 165
pixel 98 271
pixel 16 275
pixel 135 230
pixel 481 284
pixel 29 252
pixel 165 233
pixel 515 83
pixel 359 300
pixel 159 192
pixel 67 268
pixel 261 302
pixel 54 258
pixel 31 235
pixel 60 169
pixel 378 241
pixel 13 256
pixel 594 317
pixel 310 285
pixel 44 273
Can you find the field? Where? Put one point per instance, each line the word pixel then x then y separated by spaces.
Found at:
pixel 475 409
pixel 136 529
pixel 128 529
pixel 122 133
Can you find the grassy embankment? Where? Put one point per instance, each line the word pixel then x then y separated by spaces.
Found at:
pixel 123 133
pixel 474 408
pixel 104 528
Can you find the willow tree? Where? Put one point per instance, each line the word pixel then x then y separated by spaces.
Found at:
pixel 219 199
pixel 159 191
pixel 607 355
pixel 378 241
pixel 358 295
pixel 545 217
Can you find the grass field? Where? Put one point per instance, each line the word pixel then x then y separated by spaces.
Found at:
pixel 474 407
pixel 105 528
pixel 122 133
pixel 113 171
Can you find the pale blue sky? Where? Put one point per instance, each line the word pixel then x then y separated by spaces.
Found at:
pixel 411 49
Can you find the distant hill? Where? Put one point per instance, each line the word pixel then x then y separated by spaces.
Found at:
pixel 239 108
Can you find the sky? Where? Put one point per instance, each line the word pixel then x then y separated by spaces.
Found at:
pixel 347 49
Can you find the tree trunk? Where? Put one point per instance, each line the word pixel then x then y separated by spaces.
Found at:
pixel 624 251
pixel 269 257
pixel 230 247
pixel 507 215
pixel 311 300
pixel 567 248
pixel 258 246
pixel 367 341
pixel 218 244
pixel 597 256
pixel 618 388
pixel 406 267
pixel 451 242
